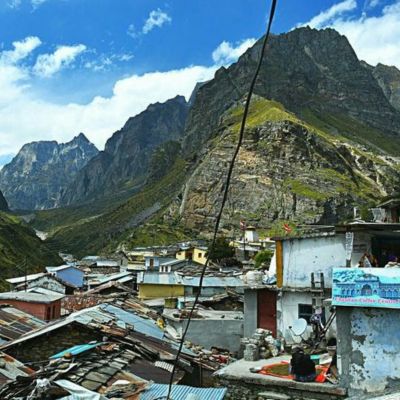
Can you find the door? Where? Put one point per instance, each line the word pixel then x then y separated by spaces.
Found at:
pixel 267 310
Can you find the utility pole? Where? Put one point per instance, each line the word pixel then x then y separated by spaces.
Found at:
pixel 243 228
pixel 25 272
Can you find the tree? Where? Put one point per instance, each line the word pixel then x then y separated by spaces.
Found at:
pixel 263 258
pixel 221 250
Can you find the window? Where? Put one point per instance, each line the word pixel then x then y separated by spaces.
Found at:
pixel 200 255
pixel 305 311
pixel 48 313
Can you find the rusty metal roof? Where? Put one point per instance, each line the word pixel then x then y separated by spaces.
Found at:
pixel 15 323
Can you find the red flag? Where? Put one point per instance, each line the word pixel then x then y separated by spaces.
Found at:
pixel 287 228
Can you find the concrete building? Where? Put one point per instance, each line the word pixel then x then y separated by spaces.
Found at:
pixel 153 285
pixel 277 307
pixel 200 254
pixel 43 306
pixel 209 328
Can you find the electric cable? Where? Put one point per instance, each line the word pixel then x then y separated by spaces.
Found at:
pixel 225 193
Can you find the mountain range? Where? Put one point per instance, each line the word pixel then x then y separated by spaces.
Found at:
pixel 323 135
pixel 37 176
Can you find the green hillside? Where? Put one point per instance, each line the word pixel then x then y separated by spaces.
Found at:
pixel 137 221
pixel 19 244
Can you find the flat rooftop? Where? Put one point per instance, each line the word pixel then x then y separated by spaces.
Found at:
pixel 240 371
pixel 206 314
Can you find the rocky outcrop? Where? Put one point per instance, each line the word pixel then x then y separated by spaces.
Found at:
pixel 315 74
pixel 38 174
pixel 287 170
pixel 3 203
pixel 389 80
pixel 122 166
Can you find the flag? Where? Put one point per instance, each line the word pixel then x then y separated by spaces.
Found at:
pixel 287 228
pixel 243 225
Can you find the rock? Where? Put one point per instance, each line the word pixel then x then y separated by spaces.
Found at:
pixel 3 203
pixel 126 162
pixel 38 174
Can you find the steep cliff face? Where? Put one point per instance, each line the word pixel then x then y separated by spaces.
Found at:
pixel 3 203
pixel 123 164
pixel 287 169
pixel 316 75
pixel 389 80
pixel 38 174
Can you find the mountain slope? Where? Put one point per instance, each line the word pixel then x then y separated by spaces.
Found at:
pixel 19 244
pixel 106 231
pixel 38 174
pixel 287 169
pixel 122 166
pixel 321 138
pixel 316 75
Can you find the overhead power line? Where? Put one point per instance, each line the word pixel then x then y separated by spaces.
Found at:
pixel 225 193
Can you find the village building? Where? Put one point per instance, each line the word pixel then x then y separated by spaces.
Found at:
pixel 276 307
pixel 200 254
pixel 69 274
pixel 175 285
pixel 43 306
pixel 22 281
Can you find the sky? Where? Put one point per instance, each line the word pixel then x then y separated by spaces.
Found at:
pixel 71 66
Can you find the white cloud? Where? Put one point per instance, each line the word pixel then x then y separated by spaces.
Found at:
pixel 226 53
pixel 14 3
pixel 25 117
pixel 37 3
pixel 132 31
pixel 336 11
pixel 48 64
pixel 21 50
pixel 157 18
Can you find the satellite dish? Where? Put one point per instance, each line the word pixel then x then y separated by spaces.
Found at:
pixel 299 326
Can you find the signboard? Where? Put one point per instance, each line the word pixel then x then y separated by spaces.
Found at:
pixel 366 287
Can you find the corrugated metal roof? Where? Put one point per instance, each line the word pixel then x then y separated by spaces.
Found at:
pixel 15 323
pixel 42 291
pixel 155 278
pixel 11 368
pixel 181 392
pixel 140 324
pixel 31 297
pixel 213 281
pixel 59 268
pixel 22 279
pixel 75 350
pixel 100 278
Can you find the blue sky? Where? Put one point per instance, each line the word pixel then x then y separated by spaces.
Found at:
pixel 87 65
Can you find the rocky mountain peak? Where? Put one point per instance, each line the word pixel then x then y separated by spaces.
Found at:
pixel 37 175
pixel 127 155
